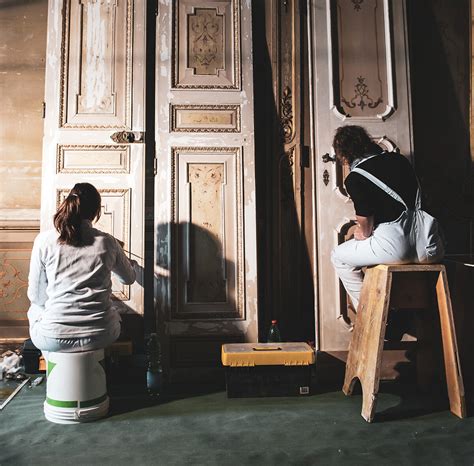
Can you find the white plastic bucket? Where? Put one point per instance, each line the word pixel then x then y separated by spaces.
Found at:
pixel 76 388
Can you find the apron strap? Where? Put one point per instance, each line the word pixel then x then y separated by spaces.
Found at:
pixel 386 188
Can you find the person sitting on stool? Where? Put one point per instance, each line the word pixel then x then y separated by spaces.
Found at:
pixel 69 283
pixel 385 233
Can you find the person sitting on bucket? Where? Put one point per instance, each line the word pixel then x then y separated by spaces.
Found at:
pixel 69 283
pixel 391 227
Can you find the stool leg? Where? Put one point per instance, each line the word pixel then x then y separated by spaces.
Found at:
pixel 365 350
pixel 450 348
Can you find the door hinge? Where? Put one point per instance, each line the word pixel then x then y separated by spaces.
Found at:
pixel 155 166
pixel 43 110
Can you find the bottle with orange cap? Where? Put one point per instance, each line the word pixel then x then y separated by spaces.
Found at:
pixel 274 333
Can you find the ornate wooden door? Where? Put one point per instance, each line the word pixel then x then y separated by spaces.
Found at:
pixel 205 260
pixel 94 97
pixel 359 76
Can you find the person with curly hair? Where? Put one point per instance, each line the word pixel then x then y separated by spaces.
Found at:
pixel 384 189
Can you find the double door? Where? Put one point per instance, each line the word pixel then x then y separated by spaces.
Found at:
pixel 153 104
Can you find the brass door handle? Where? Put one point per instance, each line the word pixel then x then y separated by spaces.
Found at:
pixel 128 137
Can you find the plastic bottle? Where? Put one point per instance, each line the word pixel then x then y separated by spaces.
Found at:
pixel 274 333
pixel 154 373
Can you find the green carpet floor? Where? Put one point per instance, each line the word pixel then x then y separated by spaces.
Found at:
pixel 209 429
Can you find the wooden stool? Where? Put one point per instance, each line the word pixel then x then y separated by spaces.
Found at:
pixel 365 349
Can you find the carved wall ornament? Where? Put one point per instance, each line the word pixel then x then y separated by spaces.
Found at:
pixel 206 41
pixel 357 4
pixel 361 97
pixel 206 44
pixel 286 117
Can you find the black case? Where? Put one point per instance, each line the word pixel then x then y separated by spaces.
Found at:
pixel 31 355
pixel 268 381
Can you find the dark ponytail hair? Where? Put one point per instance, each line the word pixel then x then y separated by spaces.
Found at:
pixel 82 203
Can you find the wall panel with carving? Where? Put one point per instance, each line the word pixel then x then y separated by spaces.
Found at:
pixel 96 75
pixel 362 62
pixel 207 233
pixel 206 38
pixel 14 267
pixel 15 252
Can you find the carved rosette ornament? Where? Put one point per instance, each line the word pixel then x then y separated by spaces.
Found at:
pixel 286 117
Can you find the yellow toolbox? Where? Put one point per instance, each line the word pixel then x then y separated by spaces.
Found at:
pixel 268 369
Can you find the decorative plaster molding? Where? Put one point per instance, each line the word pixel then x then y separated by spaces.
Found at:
pixel 123 169
pixel 207 127
pixel 178 48
pixel 65 74
pixel 213 314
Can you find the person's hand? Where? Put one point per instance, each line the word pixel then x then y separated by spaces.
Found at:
pixel 358 235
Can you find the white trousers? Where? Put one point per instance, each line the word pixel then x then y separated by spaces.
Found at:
pixel 73 344
pixel 387 245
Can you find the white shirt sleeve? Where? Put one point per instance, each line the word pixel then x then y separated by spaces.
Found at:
pixel 37 281
pixel 124 267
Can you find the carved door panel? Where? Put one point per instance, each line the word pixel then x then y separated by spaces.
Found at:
pixel 94 93
pixel 205 264
pixel 359 76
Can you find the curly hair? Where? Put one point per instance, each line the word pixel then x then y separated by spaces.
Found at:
pixel 351 142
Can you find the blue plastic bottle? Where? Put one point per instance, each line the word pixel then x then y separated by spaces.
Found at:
pixel 154 373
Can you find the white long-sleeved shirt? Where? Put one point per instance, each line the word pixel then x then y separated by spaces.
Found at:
pixel 70 286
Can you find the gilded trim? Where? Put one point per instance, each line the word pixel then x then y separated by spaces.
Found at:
pixel 208 129
pixel 123 170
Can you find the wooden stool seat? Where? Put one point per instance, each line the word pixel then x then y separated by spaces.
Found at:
pixel 365 350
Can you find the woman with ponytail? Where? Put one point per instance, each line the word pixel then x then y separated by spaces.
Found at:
pixel 69 284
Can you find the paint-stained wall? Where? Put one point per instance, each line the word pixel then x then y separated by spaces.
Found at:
pixel 23 26
pixel 22 65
